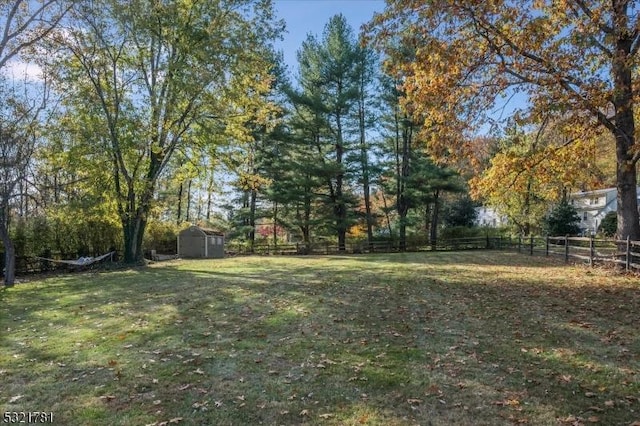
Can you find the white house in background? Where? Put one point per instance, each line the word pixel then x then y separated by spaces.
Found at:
pixel 486 216
pixel 592 206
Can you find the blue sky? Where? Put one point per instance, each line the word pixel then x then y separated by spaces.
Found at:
pixel 310 16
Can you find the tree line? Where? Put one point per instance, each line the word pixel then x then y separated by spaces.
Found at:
pixel 149 114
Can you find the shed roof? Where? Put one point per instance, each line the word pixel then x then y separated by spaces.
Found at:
pixel 210 231
pixel 205 231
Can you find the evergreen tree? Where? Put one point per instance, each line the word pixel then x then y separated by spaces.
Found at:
pixel 461 212
pixel 324 105
pixel 562 220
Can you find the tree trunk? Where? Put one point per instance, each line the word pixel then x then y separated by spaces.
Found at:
pixel 9 257
pixel 386 213
pixel 306 222
pixel 179 213
pixel 252 218
pixel 403 209
pixel 340 208
pixel 364 160
pixel 624 131
pixel 209 196
pixel 402 231
pixel 427 218
pixel 433 232
pixel 367 207
pixel 187 216
pixel 628 221
pixel 133 235
pixel 133 216
pixel 275 224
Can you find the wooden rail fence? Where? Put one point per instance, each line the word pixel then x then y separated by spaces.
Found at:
pixel 624 253
pixel 388 246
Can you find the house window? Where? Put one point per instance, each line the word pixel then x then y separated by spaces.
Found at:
pixel 594 201
pixel 585 216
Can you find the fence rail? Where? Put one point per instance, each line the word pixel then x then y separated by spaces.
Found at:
pixel 624 253
pixel 388 246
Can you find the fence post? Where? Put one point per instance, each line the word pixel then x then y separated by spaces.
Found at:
pixel 546 249
pixel 566 249
pixel 519 243
pixel 591 250
pixel 628 254
pixel 531 245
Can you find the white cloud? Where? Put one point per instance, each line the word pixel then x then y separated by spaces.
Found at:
pixel 20 71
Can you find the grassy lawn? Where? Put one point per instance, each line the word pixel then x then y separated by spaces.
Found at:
pixel 401 339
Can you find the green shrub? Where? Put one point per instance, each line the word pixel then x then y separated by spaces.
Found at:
pixel 609 225
pixel 161 236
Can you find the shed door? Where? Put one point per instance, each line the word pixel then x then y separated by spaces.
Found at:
pixel 192 245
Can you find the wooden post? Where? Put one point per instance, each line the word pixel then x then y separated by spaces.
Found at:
pixel 591 250
pixel 531 245
pixel 566 249
pixel 546 250
pixel 628 254
pixel 519 243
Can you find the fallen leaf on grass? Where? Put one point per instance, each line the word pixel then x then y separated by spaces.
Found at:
pixel 15 398
pixel 434 390
pixel 175 420
pixel 565 378
pixel 507 403
pixel 572 420
pixel 326 416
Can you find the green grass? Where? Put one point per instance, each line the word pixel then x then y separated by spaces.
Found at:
pixel 464 338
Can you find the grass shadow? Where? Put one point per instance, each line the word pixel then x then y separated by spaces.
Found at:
pixel 410 339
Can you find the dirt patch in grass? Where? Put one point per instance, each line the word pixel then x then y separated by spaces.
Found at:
pixel 432 338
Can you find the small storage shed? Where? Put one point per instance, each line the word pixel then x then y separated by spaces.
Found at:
pixel 197 242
